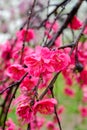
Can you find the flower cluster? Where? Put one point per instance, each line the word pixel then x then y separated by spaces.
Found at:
pixel 40 64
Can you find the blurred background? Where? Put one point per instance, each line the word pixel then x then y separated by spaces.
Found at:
pixel 13 14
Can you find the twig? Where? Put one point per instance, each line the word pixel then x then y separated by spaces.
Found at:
pixel 49 86
pixel 55 9
pixel 28 127
pixel 28 23
pixel 55 110
pixel 8 106
pixel 12 85
pixel 75 43
pixel 67 45
pixel 66 22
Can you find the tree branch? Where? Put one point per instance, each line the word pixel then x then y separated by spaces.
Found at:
pixel 66 22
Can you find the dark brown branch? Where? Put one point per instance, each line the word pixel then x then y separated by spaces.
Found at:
pixel 50 14
pixel 49 86
pixel 10 100
pixel 67 45
pixel 55 110
pixel 30 12
pixel 75 43
pixel 4 104
pixel 28 127
pixel 66 22
pixel 28 24
pixel 57 16
pixel 12 85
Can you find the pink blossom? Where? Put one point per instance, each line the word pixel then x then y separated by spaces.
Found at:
pixel 29 82
pixel 51 25
pixel 60 60
pixel 84 89
pixel 40 121
pixel 46 61
pixel 75 23
pixel 83 111
pixel 24 110
pixel 67 76
pixel 45 106
pixel 6 51
pixel 58 41
pixel 10 125
pixel 17 52
pixel 38 62
pixel 54 25
pixel 15 71
pixel 37 123
pixel 83 77
pixel 51 126
pixel 44 52
pixel 33 61
pixel 25 35
pixel 60 109
pixel 47 24
pixel 69 92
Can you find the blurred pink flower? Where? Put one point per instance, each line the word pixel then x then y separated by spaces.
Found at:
pixel 25 35
pixel 83 111
pixel 69 92
pixel 10 125
pixel 75 23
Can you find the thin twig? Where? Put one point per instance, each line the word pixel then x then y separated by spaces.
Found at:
pixel 28 127
pixel 75 43
pixel 28 24
pixel 55 110
pixel 49 86
pixel 10 100
pixel 66 22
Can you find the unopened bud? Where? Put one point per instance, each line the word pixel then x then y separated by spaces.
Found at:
pixel 79 67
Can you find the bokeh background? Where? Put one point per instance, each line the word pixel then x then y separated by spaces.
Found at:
pixel 13 13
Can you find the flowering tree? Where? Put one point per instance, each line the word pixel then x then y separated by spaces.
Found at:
pixel 36 59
